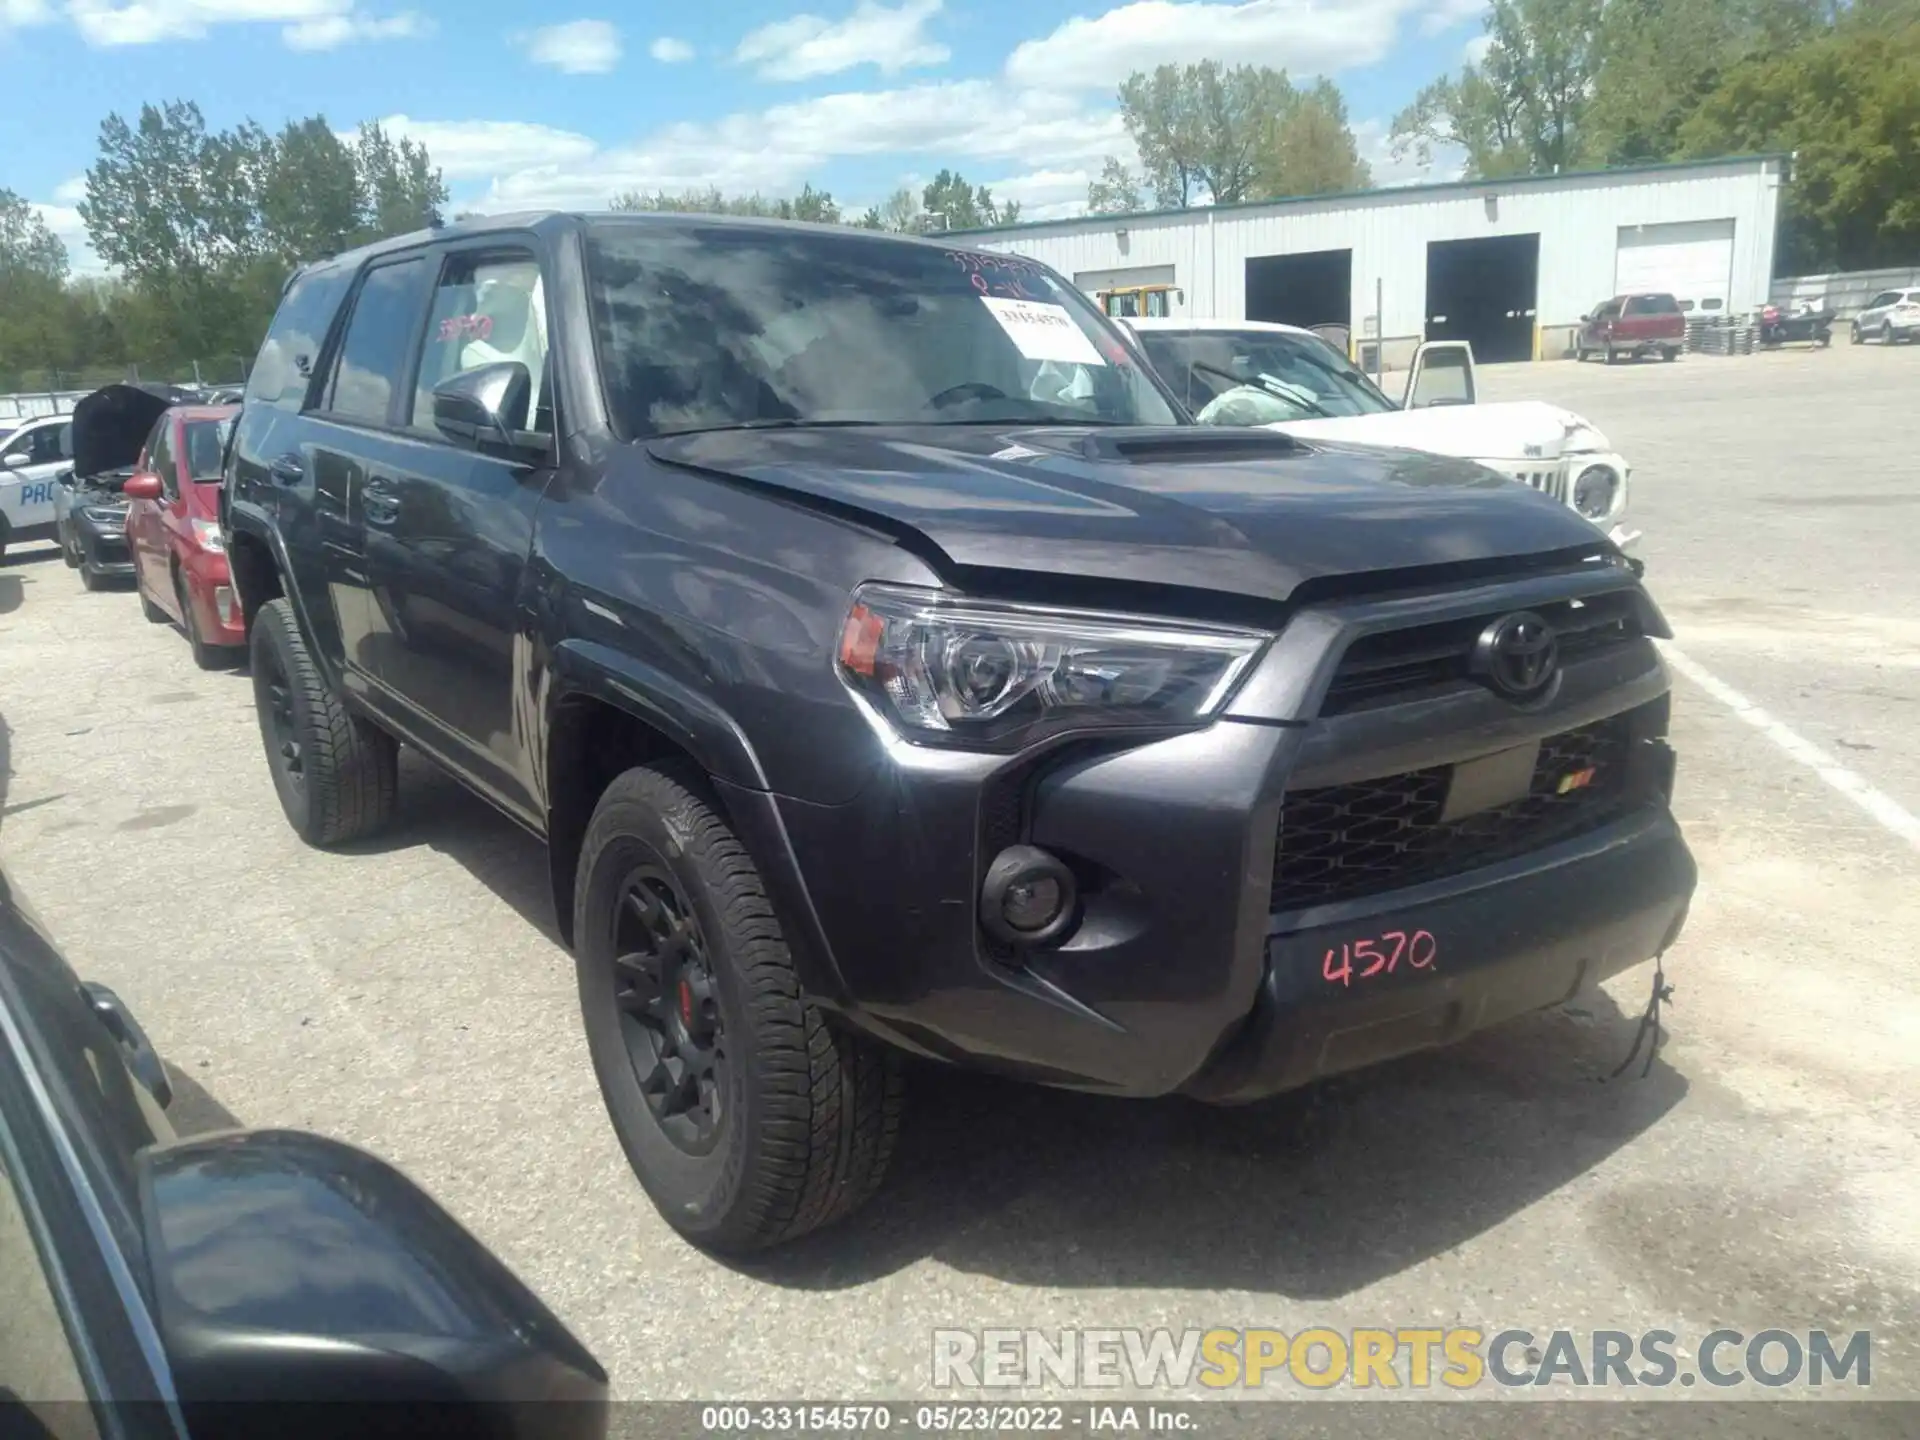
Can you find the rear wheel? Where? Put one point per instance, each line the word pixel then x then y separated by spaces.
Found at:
pixel 748 1119
pixel 337 775
pixel 1670 353
pixel 1854 336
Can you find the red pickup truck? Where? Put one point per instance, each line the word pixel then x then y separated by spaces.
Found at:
pixel 1632 325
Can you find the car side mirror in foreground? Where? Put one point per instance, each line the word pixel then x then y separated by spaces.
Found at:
pixel 303 1287
pixel 483 406
pixel 141 487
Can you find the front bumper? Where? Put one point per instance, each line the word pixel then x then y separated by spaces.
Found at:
pixel 1521 938
pixel 103 548
pixel 1181 975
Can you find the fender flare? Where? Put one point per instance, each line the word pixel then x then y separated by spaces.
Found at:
pixel 701 729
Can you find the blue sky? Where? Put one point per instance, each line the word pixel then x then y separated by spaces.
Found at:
pixel 549 105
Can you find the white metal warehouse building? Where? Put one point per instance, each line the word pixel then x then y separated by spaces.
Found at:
pixel 1510 265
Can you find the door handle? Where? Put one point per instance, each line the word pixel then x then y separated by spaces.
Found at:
pixel 287 470
pixel 379 503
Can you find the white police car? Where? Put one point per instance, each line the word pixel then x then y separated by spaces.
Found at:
pixel 33 454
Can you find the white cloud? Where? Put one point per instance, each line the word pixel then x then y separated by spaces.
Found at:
pixel 972 123
pixel 22 13
pixel 1374 142
pixel 1476 49
pixel 669 51
pixel 64 221
pixel 1046 194
pixel 71 191
pixel 308 24
pixel 330 32
pixel 1445 14
pixel 1304 36
pixel 807 45
pixel 579 47
pixel 480 149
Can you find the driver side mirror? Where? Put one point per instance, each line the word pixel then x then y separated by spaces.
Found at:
pixel 485 406
pixel 16 461
pixel 303 1287
pixel 141 487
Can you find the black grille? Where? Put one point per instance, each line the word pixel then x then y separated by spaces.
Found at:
pixel 1341 842
pixel 1394 665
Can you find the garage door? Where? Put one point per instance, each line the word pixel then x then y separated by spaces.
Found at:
pixel 1692 260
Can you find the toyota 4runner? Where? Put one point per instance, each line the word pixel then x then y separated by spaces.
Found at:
pixel 892 667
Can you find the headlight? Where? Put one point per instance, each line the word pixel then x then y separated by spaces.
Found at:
pixel 1594 491
pixel 955 671
pixel 207 532
pixel 105 514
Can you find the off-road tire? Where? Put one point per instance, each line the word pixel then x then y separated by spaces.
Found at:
pixel 349 769
pixel 810 1111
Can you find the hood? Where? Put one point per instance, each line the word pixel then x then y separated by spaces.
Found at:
pixel 1503 431
pixel 1239 511
pixel 111 424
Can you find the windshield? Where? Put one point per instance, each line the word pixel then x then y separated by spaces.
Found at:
pixel 1255 377
pixel 703 326
pixel 206 447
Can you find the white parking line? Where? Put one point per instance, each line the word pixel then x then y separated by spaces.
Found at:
pixel 1881 806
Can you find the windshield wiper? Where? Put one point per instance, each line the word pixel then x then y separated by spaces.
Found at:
pixel 1275 388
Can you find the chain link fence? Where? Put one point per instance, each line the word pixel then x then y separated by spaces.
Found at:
pixel 53 391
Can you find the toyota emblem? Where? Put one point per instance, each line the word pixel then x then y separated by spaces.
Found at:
pixel 1518 656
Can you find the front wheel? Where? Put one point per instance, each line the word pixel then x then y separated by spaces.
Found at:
pixel 337 775
pixel 1886 334
pixel 1854 337
pixel 1612 355
pixel 747 1117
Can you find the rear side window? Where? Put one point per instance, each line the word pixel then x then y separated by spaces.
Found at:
pixel 285 366
pixel 378 346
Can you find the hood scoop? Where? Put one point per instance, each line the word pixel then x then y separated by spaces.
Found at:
pixel 1188 447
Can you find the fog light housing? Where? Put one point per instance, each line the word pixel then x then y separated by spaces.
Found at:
pixel 1594 491
pixel 223 602
pixel 1028 898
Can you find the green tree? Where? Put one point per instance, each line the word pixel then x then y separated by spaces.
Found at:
pixel 950 203
pixel 1521 110
pixel 1660 59
pixel 399 186
pixel 1847 103
pixel 1115 192
pixel 311 201
pixel 900 213
pixel 35 310
pixel 1224 135
pixel 1311 150
pixel 810 204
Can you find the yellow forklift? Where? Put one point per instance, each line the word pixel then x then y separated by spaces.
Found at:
pixel 1139 302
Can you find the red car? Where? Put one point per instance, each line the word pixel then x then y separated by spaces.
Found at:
pixel 1633 325
pixel 173 531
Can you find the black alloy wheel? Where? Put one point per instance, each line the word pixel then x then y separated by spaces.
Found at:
pixel 274 692
pixel 670 1010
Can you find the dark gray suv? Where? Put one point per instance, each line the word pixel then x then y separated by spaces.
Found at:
pixel 891 667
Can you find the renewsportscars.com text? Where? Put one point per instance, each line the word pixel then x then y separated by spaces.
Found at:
pixel 1461 1358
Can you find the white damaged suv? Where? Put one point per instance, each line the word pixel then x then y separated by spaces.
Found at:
pixel 1245 372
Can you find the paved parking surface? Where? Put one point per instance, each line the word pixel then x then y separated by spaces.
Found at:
pixel 409 996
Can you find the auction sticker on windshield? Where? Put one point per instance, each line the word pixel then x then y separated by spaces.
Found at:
pixel 1043 332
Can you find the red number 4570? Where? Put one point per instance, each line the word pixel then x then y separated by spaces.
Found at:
pixel 1379 956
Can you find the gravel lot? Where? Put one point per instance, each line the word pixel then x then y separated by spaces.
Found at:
pixel 410 996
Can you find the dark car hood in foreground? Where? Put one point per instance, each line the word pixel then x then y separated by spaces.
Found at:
pixel 1246 512
pixel 111 424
